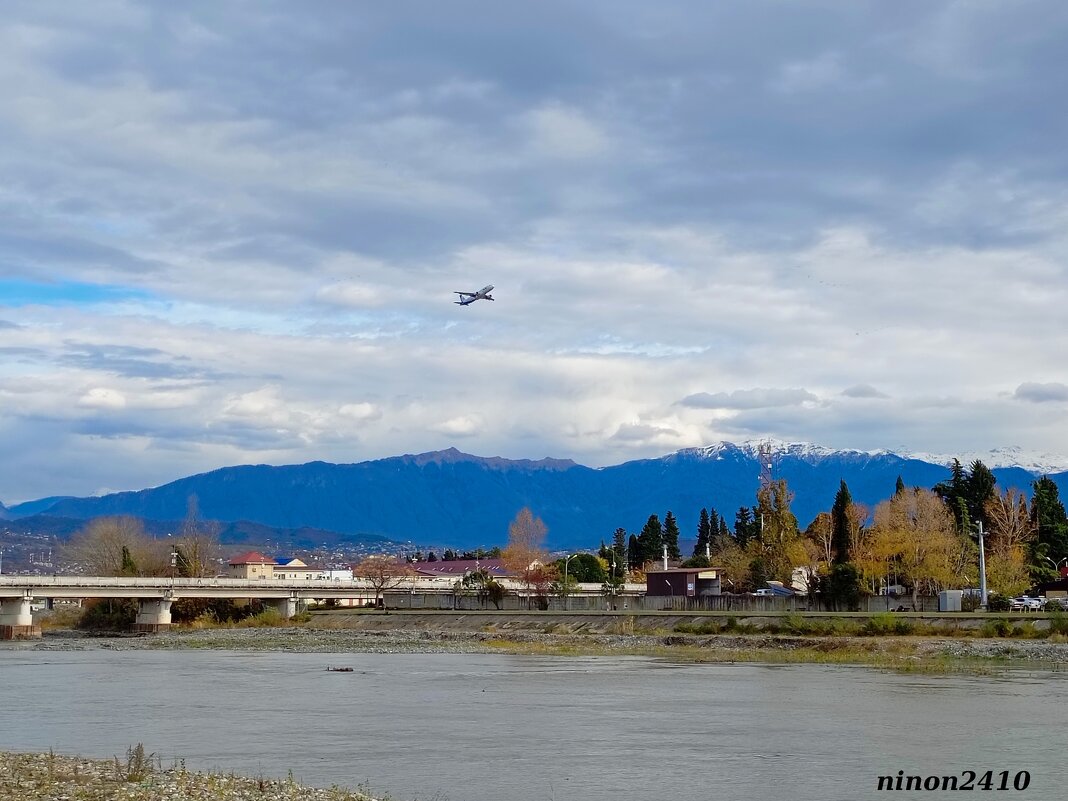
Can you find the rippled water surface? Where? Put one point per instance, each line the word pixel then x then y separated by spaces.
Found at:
pixel 469 727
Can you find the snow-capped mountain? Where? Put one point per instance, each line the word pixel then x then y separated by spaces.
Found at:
pixel 464 501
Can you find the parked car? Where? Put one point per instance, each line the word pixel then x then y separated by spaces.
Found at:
pixel 1026 603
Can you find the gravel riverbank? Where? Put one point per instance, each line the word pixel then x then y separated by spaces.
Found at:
pixel 720 647
pixel 134 777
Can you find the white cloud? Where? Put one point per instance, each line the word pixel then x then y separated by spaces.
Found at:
pixel 561 132
pixel 102 398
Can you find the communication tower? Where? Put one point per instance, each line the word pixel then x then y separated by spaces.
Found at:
pixel 764 455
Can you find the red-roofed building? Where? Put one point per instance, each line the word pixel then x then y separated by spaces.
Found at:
pixel 252 565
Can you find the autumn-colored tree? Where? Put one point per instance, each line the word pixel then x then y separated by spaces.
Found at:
pixel 525 555
pixel 920 531
pixel 1011 532
pixel 778 545
pixel 382 573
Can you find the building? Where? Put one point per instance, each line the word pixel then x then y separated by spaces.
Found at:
pixel 252 565
pixel 684 582
pixel 289 568
pixel 458 568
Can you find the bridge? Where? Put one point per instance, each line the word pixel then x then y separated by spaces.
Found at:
pixel 155 596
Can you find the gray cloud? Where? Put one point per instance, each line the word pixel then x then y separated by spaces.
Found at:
pixel 8 325
pixel 748 399
pixel 1041 393
pixel 269 208
pixel 863 391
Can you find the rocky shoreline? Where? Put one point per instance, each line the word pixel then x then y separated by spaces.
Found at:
pixel 747 647
pixel 136 777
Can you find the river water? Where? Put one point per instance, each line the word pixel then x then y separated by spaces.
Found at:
pixel 472 727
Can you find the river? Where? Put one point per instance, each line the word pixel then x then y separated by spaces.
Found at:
pixel 488 727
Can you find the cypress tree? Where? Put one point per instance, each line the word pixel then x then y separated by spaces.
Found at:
pixel 650 540
pixel 840 524
pixel 899 488
pixel 634 554
pixel 671 536
pixel 743 525
pixel 704 534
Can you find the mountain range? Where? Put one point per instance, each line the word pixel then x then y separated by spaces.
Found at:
pixel 449 498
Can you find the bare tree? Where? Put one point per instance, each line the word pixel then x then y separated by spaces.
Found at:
pixel 525 555
pixel 114 546
pixel 198 550
pixel 383 573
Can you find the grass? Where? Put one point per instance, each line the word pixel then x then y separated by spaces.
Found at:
pixel 141 777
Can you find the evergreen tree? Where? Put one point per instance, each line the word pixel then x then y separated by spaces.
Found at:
pixel 634 553
pixel 619 546
pixel 650 540
pixel 724 532
pixel 840 524
pixel 129 567
pixel 671 536
pixel 704 534
pixel 1048 515
pixel 980 490
pixel 899 488
pixel 744 526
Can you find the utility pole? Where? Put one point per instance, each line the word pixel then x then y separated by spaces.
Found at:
pixel 982 567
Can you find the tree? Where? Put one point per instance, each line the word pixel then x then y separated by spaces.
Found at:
pixel 840 525
pixel 525 555
pixel 485 586
pixel 382 573
pixel 650 540
pixel 584 568
pixel 842 586
pixel 821 532
pixel 899 487
pixel 919 530
pixel 198 543
pixel 779 534
pixel 1010 535
pixel 671 536
pixel 1051 523
pixel 116 546
pixel 746 526
pixel 704 534
pixel 967 492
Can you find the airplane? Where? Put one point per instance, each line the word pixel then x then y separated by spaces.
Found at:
pixel 467 298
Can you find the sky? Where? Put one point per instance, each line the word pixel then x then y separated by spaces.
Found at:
pixel 230 232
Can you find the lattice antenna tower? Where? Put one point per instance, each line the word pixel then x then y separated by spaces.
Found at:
pixel 764 455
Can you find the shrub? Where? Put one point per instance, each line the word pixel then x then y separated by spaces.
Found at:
pixel 995 628
pixel 886 624
pixel 111 614
pixel 1058 622
pixel 997 603
pixel 1052 606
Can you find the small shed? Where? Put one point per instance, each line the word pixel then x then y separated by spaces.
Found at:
pixel 684 582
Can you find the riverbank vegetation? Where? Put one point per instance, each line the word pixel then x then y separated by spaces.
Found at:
pixel 139 776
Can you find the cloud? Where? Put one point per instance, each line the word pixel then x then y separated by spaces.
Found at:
pixel 748 399
pixel 361 411
pixel 102 398
pixel 1041 393
pixel 9 326
pixel 863 391
pixel 462 426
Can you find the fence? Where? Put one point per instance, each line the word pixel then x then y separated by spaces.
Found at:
pixel 648 603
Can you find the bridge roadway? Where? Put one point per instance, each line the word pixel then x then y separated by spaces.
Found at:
pixel 155 595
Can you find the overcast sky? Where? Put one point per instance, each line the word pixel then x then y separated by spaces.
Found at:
pixel 229 232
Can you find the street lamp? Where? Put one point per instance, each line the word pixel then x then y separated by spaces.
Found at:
pixel 567 599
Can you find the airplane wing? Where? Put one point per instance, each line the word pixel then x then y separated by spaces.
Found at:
pixel 469 294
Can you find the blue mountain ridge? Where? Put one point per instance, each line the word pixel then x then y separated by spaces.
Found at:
pixel 463 501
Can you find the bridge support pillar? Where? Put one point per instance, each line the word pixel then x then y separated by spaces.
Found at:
pixel 286 607
pixel 16 619
pixel 153 614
